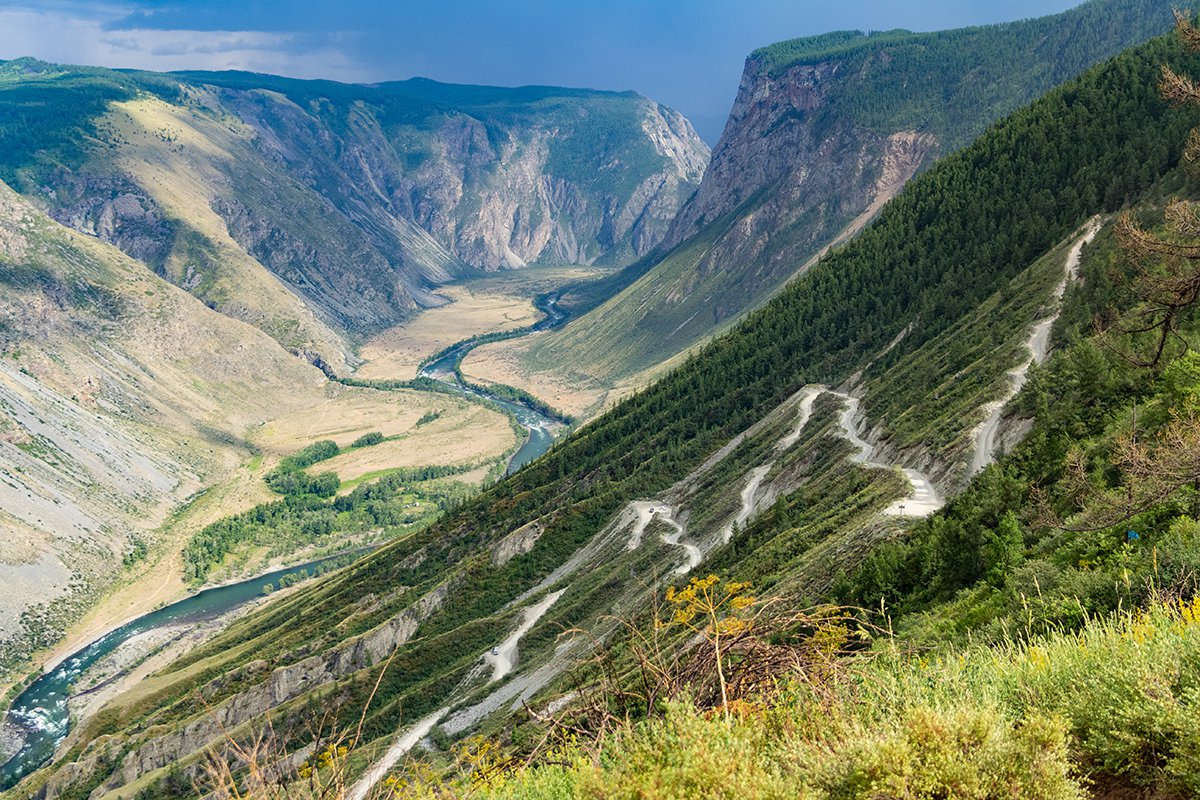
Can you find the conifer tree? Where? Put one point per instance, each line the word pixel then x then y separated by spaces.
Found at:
pixel 1167 261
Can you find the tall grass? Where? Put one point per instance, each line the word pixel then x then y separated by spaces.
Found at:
pixel 1112 710
pixel 1116 705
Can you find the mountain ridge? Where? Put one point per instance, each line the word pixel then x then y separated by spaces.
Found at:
pixel 358 201
pixel 953 240
pixel 814 142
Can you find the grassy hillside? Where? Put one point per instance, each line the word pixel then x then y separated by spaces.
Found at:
pixel 957 238
pixel 996 560
pixel 49 113
pixel 120 397
pixel 1070 715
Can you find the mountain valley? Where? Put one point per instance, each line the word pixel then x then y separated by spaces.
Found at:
pixel 530 464
pixel 186 179
pixel 823 133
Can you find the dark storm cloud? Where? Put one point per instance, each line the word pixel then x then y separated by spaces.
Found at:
pixel 686 53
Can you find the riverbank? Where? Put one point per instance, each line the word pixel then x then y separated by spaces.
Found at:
pixel 51 706
pixel 398 353
pixel 152 618
pixel 442 373
pixel 11 740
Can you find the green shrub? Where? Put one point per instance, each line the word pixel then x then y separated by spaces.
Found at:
pixel 965 752
pixel 294 482
pixel 372 438
pixel 1118 700
pixel 317 451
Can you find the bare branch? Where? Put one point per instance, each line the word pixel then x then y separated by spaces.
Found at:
pixel 1150 473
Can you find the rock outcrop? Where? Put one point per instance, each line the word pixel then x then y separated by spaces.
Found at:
pixel 360 200
pixel 823 132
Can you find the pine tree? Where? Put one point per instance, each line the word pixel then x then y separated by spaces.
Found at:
pixel 1167 283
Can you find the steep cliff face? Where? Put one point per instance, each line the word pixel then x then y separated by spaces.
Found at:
pixel 789 178
pixel 778 137
pixel 823 132
pixel 797 178
pixel 313 209
pixel 495 179
pixel 736 450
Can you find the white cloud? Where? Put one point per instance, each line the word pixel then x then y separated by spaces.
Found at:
pixel 73 36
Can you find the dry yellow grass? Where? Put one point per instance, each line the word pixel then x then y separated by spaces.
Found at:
pixel 353 412
pixel 475 477
pixel 565 388
pixel 471 435
pixel 501 362
pixel 465 432
pixel 397 352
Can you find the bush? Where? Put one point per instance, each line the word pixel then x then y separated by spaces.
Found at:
pixel 294 483
pixel 963 752
pixel 969 753
pixel 1032 720
pixel 317 451
pixel 372 438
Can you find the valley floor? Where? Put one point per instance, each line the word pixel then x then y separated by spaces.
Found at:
pixel 420 429
pixel 462 433
pixel 398 352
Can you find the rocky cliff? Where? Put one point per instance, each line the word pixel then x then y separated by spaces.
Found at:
pixel 823 132
pixel 782 137
pixel 255 192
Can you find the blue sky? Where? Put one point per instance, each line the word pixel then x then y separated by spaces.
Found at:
pixel 685 53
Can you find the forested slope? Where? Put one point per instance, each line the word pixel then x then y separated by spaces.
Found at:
pixel 958 235
pixel 1039 637
pixel 823 132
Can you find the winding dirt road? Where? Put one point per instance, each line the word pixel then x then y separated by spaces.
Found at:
pixel 924 498
pixel 692 554
pixel 1038 344
pixel 749 496
pixel 502 664
pixel 645 512
pixel 638 514
pixel 396 752
pixel 506 652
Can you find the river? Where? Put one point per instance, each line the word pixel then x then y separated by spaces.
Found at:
pixel 41 713
pixel 539 427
